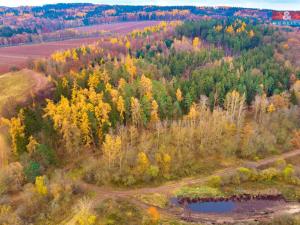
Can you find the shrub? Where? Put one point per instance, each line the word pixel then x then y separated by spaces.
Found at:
pixel 45 155
pixel 40 185
pixel 245 174
pixel 153 171
pixel 268 174
pixel 32 171
pixel 129 180
pixel 288 173
pixel 154 214
pixel 214 181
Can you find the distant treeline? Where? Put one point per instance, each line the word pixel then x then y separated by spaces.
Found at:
pixel 17 24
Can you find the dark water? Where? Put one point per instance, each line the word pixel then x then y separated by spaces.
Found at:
pixel 249 206
pixel 212 207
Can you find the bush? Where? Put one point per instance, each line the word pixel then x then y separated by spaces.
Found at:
pixel 129 180
pixel 245 174
pixel 153 171
pixel 32 171
pixel 214 181
pixel 45 155
pixel 288 173
pixel 269 174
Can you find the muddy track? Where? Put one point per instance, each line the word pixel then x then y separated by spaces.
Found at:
pixel 103 193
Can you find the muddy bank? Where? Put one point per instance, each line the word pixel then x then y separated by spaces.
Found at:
pixel 234 198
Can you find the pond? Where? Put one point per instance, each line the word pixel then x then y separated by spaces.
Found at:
pixel 231 206
pixel 212 207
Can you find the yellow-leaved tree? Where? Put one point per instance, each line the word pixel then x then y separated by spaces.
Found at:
pixel 130 67
pixel 128 45
pixel 121 84
pixel 85 128
pixel 218 28
pixel 146 87
pixel 179 95
pixel 193 114
pixel 251 33
pixel 75 55
pixel 32 145
pixel 271 108
pixel 40 185
pixel 135 111
pixel 121 107
pixel 94 80
pixel 230 29
pixel 154 112
pixel 142 163
pixel 64 117
pixel 164 162
pixel 17 132
pixel 196 43
pixel 112 149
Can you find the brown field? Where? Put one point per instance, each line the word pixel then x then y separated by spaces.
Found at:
pixel 18 56
pixel 122 27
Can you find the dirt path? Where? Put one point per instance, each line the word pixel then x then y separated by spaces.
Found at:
pixel 41 82
pixel 168 188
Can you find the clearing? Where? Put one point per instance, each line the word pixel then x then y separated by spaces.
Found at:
pixel 17 88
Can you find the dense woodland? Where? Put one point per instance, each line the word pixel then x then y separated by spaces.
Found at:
pixel 170 101
pixel 53 22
